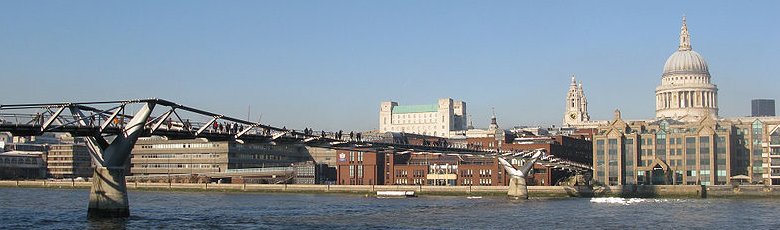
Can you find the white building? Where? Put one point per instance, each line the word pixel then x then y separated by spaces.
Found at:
pixel 5 138
pixel 431 119
pixel 493 130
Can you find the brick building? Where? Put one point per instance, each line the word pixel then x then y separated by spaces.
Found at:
pixel 369 167
pixel 574 148
pixel 361 167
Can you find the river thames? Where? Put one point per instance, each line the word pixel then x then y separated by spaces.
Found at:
pixel 22 208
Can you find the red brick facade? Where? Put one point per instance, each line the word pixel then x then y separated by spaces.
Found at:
pixel 360 167
pixel 369 167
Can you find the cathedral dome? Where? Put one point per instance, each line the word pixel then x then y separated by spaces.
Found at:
pixel 686 92
pixel 685 61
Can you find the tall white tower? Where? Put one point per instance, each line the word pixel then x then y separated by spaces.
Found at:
pixel 576 105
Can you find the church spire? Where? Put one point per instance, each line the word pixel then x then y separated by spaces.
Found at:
pixel 493 118
pixel 493 122
pixel 573 80
pixel 685 37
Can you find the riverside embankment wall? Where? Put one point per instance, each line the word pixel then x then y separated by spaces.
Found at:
pixel 537 191
pixel 689 191
pixel 692 191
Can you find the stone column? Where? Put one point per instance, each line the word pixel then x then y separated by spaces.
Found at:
pixel 108 196
pixel 714 100
pixel 666 100
pixel 688 99
pixel 689 95
pixel 517 188
pixel 679 99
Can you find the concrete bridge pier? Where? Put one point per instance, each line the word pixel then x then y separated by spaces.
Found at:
pixel 517 188
pixel 108 195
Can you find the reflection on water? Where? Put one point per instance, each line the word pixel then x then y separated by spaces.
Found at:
pixel 107 223
pixel 629 201
pixel 67 209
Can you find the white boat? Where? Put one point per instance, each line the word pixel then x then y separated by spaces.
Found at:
pixel 395 194
pixel 473 197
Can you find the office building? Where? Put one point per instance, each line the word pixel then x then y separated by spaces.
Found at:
pixel 762 108
pixel 69 161
pixel 157 155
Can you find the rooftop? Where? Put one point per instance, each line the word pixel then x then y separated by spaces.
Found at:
pixel 415 109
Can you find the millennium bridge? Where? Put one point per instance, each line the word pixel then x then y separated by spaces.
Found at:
pixel 111 129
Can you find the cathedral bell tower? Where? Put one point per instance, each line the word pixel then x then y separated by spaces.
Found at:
pixel 576 105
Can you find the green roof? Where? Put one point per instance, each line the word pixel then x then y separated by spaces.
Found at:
pixel 415 109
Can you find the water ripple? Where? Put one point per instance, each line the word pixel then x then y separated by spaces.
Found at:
pixel 66 209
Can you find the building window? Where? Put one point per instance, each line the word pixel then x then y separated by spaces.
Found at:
pixel 600 167
pixel 613 161
pixel 690 152
pixel 660 146
pixel 774 139
pixel 756 149
pixel 704 152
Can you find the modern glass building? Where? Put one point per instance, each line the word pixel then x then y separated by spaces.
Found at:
pixel 762 107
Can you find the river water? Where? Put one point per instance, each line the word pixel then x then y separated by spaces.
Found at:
pixel 39 208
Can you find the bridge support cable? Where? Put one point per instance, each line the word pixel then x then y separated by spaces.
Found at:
pixel 187 124
pixel 51 120
pixel 242 132
pixel 207 125
pixel 112 117
pixel 95 143
pixel 161 119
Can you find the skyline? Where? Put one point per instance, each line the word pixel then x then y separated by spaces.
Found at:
pixel 296 63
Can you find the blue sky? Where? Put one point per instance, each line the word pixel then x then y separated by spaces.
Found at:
pixel 328 64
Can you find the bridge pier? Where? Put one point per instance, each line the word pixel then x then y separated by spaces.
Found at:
pixel 108 195
pixel 517 188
